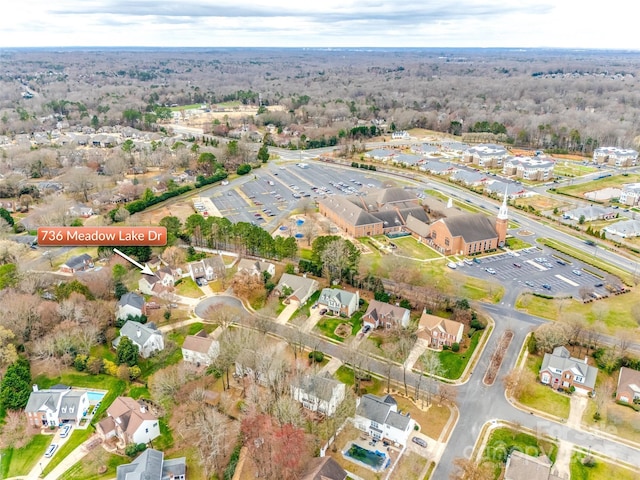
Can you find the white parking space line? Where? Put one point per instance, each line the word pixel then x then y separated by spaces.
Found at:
pixel 565 279
pixel 537 265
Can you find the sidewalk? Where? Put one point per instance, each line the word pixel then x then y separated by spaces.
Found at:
pixel 70 460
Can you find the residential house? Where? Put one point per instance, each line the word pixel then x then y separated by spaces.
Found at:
pixel 620 157
pixel 624 228
pixel 470 179
pixel 130 304
pixel 439 331
pixel 381 314
pixel 628 386
pixel 560 370
pixel 400 135
pixel 151 465
pixel 514 190
pixel 590 213
pixel 537 168
pixel 339 302
pixel 426 149
pixel 381 154
pixel 486 155
pixel 56 405
pixel 296 288
pixel 200 349
pixel 438 168
pixel 630 194
pixel 408 160
pixel 130 421
pixel 466 234
pixel 209 268
pixel 454 146
pixel 160 282
pixel 76 264
pixel 256 267
pixel 378 416
pixel 521 466
pixel 318 393
pixel 81 211
pixel 323 468
pixel 146 336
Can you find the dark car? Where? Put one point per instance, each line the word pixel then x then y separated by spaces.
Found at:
pixel 561 262
pixel 599 284
pixel 546 286
pixel 517 265
pixel 323 311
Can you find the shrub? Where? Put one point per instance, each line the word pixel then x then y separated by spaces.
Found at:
pixel 243 169
pixel 597 416
pixel 316 356
pixel 477 324
pixel 455 347
pixel 471 332
pixel 445 347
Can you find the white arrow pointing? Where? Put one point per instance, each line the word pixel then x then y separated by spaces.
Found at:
pixel 145 270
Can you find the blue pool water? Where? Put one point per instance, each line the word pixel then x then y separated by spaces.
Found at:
pixel 375 460
pixel 95 397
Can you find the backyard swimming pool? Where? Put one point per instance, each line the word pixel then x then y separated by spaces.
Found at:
pixel 95 397
pixel 376 460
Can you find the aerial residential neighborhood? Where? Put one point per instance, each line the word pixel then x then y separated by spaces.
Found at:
pixel 345 291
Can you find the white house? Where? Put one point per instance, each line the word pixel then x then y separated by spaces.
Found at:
pixel 530 168
pixel 130 421
pixel 560 370
pixel 208 268
pixel 161 281
pixel 624 229
pixel 339 302
pixel 318 393
pixel 382 154
pixel 200 349
pixel 487 155
pixel 379 417
pixel 130 304
pixel 256 267
pixel 400 135
pixel 590 213
pixel 620 157
pixel 56 405
pixel 630 194
pixel 146 336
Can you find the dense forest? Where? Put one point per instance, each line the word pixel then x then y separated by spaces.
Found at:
pixel 563 99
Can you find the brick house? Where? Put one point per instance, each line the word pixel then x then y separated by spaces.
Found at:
pixel 560 370
pixel 628 386
pixel 439 331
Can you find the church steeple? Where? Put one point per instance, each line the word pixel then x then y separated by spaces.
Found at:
pixel 503 214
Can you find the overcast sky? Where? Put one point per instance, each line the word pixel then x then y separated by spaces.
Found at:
pixel 321 23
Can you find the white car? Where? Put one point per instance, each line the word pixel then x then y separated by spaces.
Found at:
pixel 65 430
pixel 51 450
pixel 577 272
pixel 452 265
pixel 490 271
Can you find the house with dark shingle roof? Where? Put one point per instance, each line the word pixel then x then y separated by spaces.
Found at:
pixel 379 417
pixel 76 264
pixel 318 393
pixel 468 234
pixel 52 406
pixel 323 468
pixel 301 288
pixel 151 465
pixel 130 304
pixel 381 314
pixel 560 370
pixel 339 302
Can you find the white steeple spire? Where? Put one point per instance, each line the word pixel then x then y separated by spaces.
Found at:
pixel 450 203
pixel 503 214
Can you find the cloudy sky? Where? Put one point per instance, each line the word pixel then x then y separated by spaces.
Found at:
pixel 321 23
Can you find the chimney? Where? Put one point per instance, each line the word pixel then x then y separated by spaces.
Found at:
pixel 138 332
pixel 586 360
pixel 35 387
pixel 143 409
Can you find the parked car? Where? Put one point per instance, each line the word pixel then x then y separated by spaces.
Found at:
pixel 517 265
pixel 577 272
pixel 599 284
pixel 561 262
pixel 323 311
pixel 51 450
pixel 419 441
pixel 64 431
pixel 452 265
pixel 546 286
pixel 529 284
pixel 490 271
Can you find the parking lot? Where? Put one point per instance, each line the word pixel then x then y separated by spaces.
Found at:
pixel 272 193
pixel 538 270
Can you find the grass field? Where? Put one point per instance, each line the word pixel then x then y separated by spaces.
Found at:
pixel 503 440
pixel 410 466
pixel 77 438
pixel 410 247
pixel 540 202
pixel 88 468
pixel 568 168
pixel 515 243
pixel 437 194
pixel 587 256
pixel 16 462
pixel 541 397
pixel 615 181
pixel 615 310
pixel 328 325
pixel 188 288
pixel 453 363
pixel 602 470
pixel 615 419
pixel 344 374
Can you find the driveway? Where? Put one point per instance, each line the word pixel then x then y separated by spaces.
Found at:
pixel 288 311
pixel 417 350
pixel 312 320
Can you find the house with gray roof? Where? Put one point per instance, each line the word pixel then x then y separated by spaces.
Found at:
pixel 323 468
pixel 339 302
pixel 487 155
pixel 630 194
pixel 590 213
pixel 296 288
pixel 318 393
pixel 200 349
pixel 620 157
pixel 628 386
pixel 381 314
pixel 56 405
pixel 151 465
pixel 560 370
pixel 382 154
pixel 208 268
pixel 417 228
pixel 256 267
pixel 538 168
pixel 379 418
pixel 131 304
pixel 438 168
pixel 76 264
pixel 624 229
pixel 408 159
pixel 469 178
pixel 146 336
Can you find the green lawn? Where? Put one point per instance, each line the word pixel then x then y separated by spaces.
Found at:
pixel 600 471
pixel 188 288
pixel 305 253
pixel 77 438
pixel 515 243
pixel 568 168
pixel 453 364
pixel 614 181
pixel 503 440
pixel 344 374
pixel 328 325
pixel 541 397
pixel 410 247
pixel 16 462
pixel 621 420
pixel 306 308
pixel 437 194
pixel 87 469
